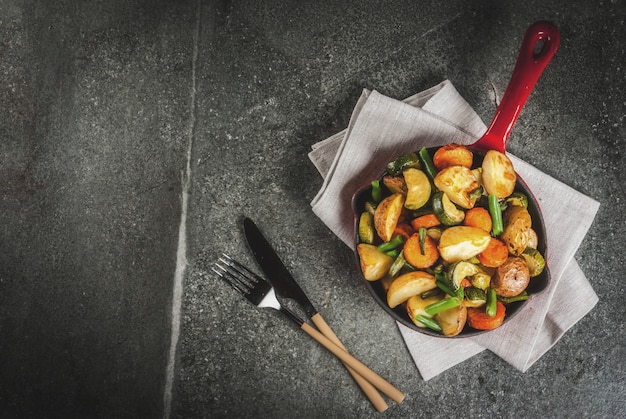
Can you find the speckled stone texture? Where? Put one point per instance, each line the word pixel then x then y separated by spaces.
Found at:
pixel 100 103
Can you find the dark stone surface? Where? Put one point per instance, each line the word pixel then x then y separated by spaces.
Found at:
pixel 99 104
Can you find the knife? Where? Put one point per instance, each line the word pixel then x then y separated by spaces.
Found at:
pixel 287 287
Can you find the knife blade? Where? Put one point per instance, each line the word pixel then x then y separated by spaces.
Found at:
pixel 286 286
pixel 284 283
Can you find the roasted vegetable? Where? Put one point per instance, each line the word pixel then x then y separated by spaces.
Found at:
pixel 449 240
pixel 478 319
pixel 494 255
pixel 511 278
pixel 421 319
pixel 534 260
pixel 391 244
pixel 516 234
pixel 416 305
pixel 481 280
pixel 397 265
pixel 462 243
pixel 498 174
pixel 445 211
pixel 491 304
pixel 461 270
pixel 377 193
pixel 452 321
pixel 519 297
pixel 422 255
pixel 428 221
pixel 418 188
pixel 453 155
pixel 478 217
pixel 458 182
pixel 517 199
pixel 395 184
pixel 387 215
pixel 374 264
pixel 496 215
pixel 533 239
pixel 442 305
pixel 427 163
pixel 403 162
pixel 366 228
pixel 475 297
pixel 407 285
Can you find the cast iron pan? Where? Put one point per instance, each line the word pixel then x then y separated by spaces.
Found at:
pixel 540 42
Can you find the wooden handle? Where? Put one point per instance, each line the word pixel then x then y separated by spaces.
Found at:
pixel 370 391
pixel 363 370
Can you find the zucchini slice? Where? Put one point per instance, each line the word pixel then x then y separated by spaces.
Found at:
pixel 446 211
pixel 366 228
pixel 405 161
pixel 418 188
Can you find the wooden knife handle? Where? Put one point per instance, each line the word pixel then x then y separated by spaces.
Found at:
pixel 363 370
pixel 370 391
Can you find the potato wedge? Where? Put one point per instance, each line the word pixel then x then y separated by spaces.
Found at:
pixel 452 155
pixel 498 174
pixel 387 215
pixel 462 243
pixel 452 321
pixel 374 264
pixel 517 226
pixel 395 184
pixel 409 284
pixel 416 305
pixel 458 182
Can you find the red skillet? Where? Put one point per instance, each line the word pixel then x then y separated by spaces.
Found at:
pixel 540 42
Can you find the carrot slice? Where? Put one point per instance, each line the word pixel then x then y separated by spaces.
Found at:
pixel 478 217
pixel 428 221
pixel 495 254
pixel 477 318
pixel 403 229
pixel 413 252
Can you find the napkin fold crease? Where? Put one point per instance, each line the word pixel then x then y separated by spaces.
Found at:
pixel 382 128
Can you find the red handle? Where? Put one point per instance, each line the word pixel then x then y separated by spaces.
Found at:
pixel 538 47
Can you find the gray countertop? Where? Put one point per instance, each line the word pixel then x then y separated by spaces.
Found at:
pixel 135 136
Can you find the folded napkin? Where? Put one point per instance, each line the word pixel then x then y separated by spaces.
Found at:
pixel 382 128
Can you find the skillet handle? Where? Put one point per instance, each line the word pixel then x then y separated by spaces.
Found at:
pixel 540 42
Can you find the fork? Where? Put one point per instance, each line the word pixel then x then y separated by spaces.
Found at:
pixel 260 293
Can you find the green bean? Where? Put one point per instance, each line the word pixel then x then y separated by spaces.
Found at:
pixel 430 293
pixel 491 307
pixel 496 215
pixel 428 322
pixel 397 264
pixel 520 297
pixel 442 305
pixel 391 244
pixel 377 193
pixel 423 231
pixel 429 167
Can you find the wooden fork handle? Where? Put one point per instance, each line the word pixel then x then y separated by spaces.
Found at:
pixel 363 370
pixel 370 391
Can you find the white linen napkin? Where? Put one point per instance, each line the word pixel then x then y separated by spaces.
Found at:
pixel 381 128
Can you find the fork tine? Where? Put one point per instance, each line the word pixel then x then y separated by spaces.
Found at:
pixel 230 279
pixel 246 282
pixel 242 270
